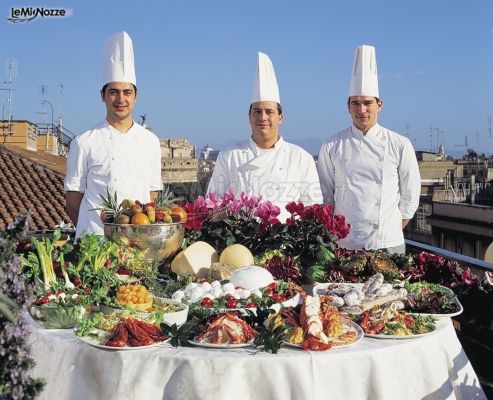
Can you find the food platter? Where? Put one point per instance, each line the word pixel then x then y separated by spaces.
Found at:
pixel 224 346
pixel 354 327
pixel 447 315
pixel 414 336
pixel 455 301
pixel 96 342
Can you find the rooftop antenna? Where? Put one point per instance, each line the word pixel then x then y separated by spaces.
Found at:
pixel 431 138
pixel 463 145
pixel 11 72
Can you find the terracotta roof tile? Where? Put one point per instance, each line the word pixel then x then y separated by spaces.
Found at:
pixel 31 181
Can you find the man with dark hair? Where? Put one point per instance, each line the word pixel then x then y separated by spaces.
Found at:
pixel 367 172
pixel 118 155
pixel 266 165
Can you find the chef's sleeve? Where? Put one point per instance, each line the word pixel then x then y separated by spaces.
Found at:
pixel 76 174
pixel 409 181
pixel 326 174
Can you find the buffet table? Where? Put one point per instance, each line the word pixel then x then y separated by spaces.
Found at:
pixel 430 367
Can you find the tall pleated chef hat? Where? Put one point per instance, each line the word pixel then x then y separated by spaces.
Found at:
pixel 364 78
pixel 265 86
pixel 118 59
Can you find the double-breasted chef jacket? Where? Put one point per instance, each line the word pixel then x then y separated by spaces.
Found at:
pixel 281 174
pixel 102 159
pixel 374 181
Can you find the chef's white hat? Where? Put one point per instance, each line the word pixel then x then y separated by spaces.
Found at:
pixel 118 59
pixel 265 86
pixel 364 78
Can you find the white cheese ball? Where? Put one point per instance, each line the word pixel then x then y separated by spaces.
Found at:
pixel 244 293
pixel 196 294
pixel 206 287
pixel 228 288
pixel 216 292
pixel 216 284
pixel 178 295
pixel 189 288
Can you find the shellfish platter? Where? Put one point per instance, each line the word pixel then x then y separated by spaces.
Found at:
pixel 221 345
pixel 119 332
pixel 356 298
pixel 97 341
pixel 335 342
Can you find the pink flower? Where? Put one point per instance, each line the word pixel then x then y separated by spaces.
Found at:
pixel 235 206
pixel 212 201
pixel 228 196
pixel 268 212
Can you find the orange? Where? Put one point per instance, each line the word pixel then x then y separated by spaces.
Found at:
pixel 139 218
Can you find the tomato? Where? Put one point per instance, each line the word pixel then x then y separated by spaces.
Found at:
pixel 43 300
pixel 60 291
pixel 277 298
pixel 86 290
pixel 206 302
pixel 107 263
pixel 251 305
pixel 268 292
pixel 229 296
pixel 272 286
pixel 231 303
pixel 77 282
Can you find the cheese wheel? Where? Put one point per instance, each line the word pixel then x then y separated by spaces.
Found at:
pixel 196 259
pixel 251 278
pixel 236 255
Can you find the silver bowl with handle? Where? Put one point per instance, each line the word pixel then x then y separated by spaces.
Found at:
pixel 155 242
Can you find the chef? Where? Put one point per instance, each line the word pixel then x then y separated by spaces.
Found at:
pixel 117 155
pixel 369 173
pixel 266 165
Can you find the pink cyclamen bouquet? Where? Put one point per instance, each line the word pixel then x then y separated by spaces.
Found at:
pixel 309 235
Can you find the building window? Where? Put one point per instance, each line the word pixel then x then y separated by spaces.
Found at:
pixel 419 220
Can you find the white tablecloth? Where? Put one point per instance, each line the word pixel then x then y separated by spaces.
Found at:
pixel 427 368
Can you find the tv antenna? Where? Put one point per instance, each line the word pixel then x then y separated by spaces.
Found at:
pixel 11 72
pixel 465 143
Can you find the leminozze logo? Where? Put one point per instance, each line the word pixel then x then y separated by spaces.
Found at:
pixel 27 14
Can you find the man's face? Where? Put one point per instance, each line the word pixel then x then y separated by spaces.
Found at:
pixel 364 111
pixel 265 120
pixel 119 98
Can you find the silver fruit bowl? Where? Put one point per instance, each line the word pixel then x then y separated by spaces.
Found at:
pixel 156 242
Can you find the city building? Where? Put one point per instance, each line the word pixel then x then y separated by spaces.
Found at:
pixel 179 163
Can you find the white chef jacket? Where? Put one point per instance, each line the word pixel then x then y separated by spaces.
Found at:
pixel 373 180
pixel 281 174
pixel 104 158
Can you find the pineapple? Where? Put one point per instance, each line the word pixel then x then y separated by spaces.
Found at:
pixel 355 264
pixel 111 209
pixel 166 198
pixel 381 262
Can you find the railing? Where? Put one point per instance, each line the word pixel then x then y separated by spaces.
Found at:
pixel 465 260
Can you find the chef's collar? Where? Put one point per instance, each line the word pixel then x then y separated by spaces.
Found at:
pixel 257 150
pixel 114 130
pixel 371 132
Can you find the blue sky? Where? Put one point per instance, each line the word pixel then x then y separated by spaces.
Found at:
pixel 196 59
